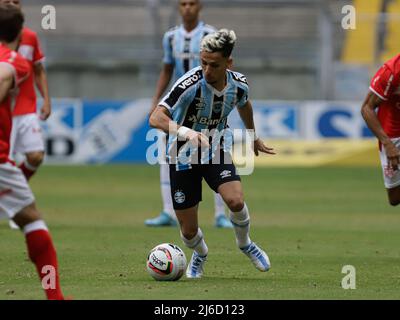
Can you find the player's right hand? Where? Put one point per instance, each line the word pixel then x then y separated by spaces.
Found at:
pixel 198 139
pixel 194 137
pixel 393 155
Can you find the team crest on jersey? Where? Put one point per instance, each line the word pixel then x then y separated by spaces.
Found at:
pixel 217 106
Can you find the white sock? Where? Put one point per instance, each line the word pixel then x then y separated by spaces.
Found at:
pixel 166 191
pixel 241 224
pixel 219 204
pixel 197 243
pixel 34 226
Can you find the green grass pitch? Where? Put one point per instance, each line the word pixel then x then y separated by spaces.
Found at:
pixel 312 222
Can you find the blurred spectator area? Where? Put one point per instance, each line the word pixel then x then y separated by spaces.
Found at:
pixel 288 49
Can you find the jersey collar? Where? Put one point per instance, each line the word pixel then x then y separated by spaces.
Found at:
pixel 223 91
pixel 191 33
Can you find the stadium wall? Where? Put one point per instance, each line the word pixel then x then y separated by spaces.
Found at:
pixel 95 132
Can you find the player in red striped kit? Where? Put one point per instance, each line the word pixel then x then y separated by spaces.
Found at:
pixel 384 96
pixel 16 199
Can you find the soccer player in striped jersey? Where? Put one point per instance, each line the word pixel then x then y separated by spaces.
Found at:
pixel 181 46
pixel 16 199
pixel 202 100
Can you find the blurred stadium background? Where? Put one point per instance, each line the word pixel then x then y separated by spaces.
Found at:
pixel 314 213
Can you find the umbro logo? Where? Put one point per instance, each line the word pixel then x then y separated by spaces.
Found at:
pixel 225 174
pixel 200 103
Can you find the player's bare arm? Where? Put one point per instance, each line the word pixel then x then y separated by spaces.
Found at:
pixel 6 81
pixel 42 85
pixel 162 84
pixel 371 102
pixel 161 119
pixel 246 114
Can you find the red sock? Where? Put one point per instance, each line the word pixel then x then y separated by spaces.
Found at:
pixel 27 170
pixel 43 255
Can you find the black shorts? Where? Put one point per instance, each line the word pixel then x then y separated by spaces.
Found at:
pixel 186 185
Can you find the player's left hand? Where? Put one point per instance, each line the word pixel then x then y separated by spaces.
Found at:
pixel 259 146
pixel 45 111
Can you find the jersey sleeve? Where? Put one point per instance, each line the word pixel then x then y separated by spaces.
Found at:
pixel 183 91
pixel 167 47
pixel 38 56
pixel 383 83
pixel 242 95
pixel 176 98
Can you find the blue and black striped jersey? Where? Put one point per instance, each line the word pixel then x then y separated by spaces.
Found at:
pixel 195 104
pixel 182 48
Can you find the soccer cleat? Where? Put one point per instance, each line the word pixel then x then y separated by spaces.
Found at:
pixel 13 225
pixel 221 221
pixel 164 219
pixel 195 267
pixel 257 256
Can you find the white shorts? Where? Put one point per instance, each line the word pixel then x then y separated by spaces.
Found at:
pixel 15 193
pixel 26 135
pixel 391 178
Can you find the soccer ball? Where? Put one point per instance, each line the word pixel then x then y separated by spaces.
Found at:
pixel 166 262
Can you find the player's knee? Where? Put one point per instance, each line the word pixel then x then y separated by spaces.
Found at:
pixel 235 204
pixel 35 158
pixel 27 215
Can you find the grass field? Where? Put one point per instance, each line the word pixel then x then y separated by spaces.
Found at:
pixel 311 222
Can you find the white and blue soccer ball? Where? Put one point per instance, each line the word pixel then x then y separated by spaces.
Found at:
pixel 166 262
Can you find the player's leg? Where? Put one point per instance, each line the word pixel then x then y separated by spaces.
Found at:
pixel 391 178
pixel 394 196
pixel 223 179
pixel 221 220
pixel 28 140
pixel 232 193
pixel 32 163
pixel 186 195
pixel 167 216
pixel 41 250
pixel 193 238
pixel 17 202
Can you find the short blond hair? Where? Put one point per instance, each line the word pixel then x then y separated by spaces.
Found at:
pixel 220 41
